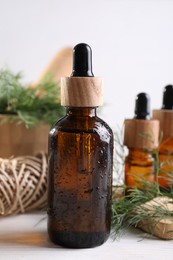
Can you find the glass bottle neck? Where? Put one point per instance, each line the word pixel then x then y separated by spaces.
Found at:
pixel 81 111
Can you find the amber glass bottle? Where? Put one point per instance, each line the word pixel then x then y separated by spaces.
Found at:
pixel 165 116
pixel 80 162
pixel 141 137
pixel 139 168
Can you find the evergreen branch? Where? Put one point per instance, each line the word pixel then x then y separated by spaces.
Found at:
pixel 32 105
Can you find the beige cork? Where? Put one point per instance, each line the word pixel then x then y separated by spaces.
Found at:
pixel 81 91
pixel 166 121
pixel 141 134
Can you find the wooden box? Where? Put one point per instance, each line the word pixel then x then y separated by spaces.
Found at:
pixel 16 139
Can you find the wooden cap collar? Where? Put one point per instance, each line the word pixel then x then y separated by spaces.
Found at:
pixel 81 91
pixel 141 134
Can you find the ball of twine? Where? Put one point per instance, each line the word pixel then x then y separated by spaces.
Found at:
pixel 23 184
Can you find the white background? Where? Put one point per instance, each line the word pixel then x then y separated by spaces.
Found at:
pixel 132 43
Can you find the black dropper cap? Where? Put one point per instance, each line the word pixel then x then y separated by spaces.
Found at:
pixel 142 106
pixel 82 61
pixel 168 97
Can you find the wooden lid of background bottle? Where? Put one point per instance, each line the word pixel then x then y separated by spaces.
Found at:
pixel 166 121
pixel 81 91
pixel 141 134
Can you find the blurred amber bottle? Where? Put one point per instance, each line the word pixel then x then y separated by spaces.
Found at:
pixel 165 116
pixel 80 162
pixel 141 138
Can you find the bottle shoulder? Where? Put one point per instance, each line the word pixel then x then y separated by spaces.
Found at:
pixel 106 125
pixel 102 127
pixel 82 124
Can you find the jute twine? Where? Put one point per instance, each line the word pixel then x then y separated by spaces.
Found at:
pixel 23 184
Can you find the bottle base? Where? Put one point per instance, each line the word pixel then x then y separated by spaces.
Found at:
pixel 78 239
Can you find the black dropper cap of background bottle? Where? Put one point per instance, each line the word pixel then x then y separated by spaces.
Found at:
pixel 82 61
pixel 168 97
pixel 142 106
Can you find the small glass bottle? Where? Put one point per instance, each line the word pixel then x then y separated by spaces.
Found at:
pixel 141 138
pixel 165 116
pixel 80 162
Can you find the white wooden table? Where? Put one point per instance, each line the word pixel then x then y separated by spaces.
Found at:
pixel 25 237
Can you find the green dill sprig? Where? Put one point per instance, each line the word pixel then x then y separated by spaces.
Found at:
pixel 31 105
pixel 130 210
